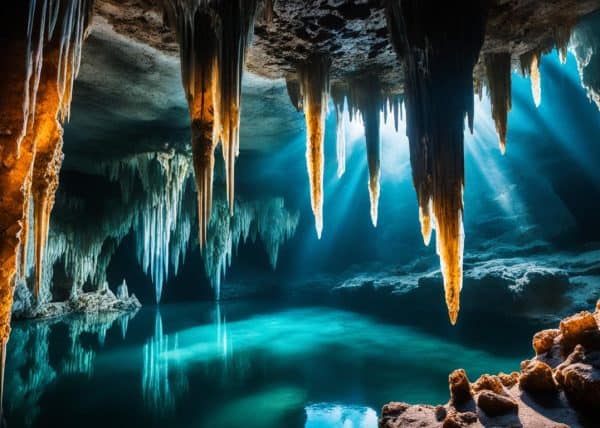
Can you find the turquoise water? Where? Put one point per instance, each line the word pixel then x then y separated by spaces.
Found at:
pixel 251 365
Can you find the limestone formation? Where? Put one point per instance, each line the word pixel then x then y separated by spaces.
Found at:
pixel 543 340
pixel 460 387
pixel 552 391
pixel 536 377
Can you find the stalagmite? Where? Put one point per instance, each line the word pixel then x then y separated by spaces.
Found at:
pixel 213 36
pixel 497 66
pixel 438 52
pixel 314 85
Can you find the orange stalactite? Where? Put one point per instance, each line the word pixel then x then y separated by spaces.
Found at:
pixel 425 220
pixel 38 44
pixel 438 52
pixel 213 36
pixel 314 84
pixel 46 168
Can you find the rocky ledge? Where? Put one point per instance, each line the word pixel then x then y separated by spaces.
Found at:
pixel 559 387
pixel 103 300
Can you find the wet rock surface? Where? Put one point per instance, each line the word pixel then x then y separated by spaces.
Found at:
pixel 550 391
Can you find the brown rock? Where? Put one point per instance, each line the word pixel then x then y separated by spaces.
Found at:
pixel 543 340
pixel 489 383
pixel 393 409
pixel 508 380
pixel 576 356
pixel 440 413
pixel 495 404
pixel 579 377
pixel 536 377
pixel 576 329
pixel 459 419
pixel 460 387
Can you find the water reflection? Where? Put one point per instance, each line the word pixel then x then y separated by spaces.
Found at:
pixel 228 365
pixel 30 368
pixel 162 383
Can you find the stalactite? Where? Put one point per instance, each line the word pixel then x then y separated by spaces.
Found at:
pixel 585 46
pixel 46 168
pixel 266 220
pixel 213 36
pixel 367 98
pixel 314 84
pixel 156 194
pixel 536 86
pixel 338 98
pixel 530 67
pixel 438 52
pixel 498 69
pixel 293 90
pixel 32 96
pixel 562 35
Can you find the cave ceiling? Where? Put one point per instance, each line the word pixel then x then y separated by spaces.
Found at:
pixel 130 73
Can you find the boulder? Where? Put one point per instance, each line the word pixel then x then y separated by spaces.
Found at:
pixel 580 380
pixel 459 419
pixel 543 340
pixel 508 380
pixel 489 383
pixel 495 404
pixel 460 387
pixel 577 329
pixel 536 378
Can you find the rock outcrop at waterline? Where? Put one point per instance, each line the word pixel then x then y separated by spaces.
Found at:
pixel 558 387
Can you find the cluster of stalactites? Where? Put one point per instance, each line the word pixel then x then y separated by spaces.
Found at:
pixel 438 53
pixel 213 37
pixel 266 220
pixel 364 97
pixel 562 35
pixel 498 70
pixel 55 33
pixel 62 23
pixel 314 93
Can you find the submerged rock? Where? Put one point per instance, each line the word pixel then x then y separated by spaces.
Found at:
pixel 550 391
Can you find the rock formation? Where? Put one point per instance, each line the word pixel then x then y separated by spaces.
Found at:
pixel 44 41
pixel 558 387
pixel 445 57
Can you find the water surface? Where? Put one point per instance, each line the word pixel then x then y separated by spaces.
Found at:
pixel 252 364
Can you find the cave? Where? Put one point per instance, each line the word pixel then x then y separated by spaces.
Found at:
pixel 300 213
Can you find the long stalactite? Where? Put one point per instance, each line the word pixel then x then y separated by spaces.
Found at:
pixel 213 37
pixel 438 52
pixel 314 87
